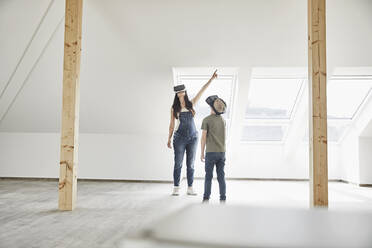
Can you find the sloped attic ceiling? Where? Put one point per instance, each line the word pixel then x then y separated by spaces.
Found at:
pixel 130 47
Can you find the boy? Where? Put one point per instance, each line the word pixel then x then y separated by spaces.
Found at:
pixel 213 138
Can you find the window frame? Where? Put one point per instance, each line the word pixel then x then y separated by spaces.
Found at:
pixel 285 122
pixel 348 122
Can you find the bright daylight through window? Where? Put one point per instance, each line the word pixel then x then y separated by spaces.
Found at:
pixel 271 103
pixel 345 99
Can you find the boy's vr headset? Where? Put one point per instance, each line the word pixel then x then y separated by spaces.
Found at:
pixel 179 88
pixel 217 104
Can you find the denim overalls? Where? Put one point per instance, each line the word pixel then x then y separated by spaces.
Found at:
pixel 185 139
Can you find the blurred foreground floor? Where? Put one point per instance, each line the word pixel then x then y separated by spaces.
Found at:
pixel 107 211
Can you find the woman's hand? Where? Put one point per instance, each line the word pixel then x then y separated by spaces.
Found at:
pixel 169 144
pixel 202 157
pixel 214 76
pixel 171 128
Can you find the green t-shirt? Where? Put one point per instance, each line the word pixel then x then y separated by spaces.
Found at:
pixel 215 126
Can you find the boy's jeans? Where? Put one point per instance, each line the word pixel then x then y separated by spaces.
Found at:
pixel 211 159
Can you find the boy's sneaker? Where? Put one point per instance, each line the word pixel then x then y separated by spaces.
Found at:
pixel 176 190
pixel 190 191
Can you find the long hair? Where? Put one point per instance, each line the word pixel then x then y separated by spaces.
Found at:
pixel 177 105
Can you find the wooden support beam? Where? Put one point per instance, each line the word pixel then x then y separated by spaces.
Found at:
pixel 67 186
pixel 318 103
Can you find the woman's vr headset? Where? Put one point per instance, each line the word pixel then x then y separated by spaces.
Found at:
pixel 179 88
pixel 217 104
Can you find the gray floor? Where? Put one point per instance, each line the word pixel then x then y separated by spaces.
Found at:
pixel 108 211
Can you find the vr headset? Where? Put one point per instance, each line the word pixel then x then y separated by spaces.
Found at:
pixel 179 88
pixel 211 100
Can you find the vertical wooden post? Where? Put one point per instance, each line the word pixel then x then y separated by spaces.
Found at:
pixel 67 186
pixel 318 103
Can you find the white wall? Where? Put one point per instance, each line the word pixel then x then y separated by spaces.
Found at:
pixel 132 157
pixel 29 155
pixel 104 156
pixel 349 156
pixel 365 160
pixel 354 162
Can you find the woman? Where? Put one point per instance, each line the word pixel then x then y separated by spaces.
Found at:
pixel 185 136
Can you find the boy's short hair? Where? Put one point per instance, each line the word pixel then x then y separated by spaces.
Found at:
pixel 219 105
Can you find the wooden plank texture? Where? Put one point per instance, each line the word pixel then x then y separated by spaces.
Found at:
pixel 67 186
pixel 318 103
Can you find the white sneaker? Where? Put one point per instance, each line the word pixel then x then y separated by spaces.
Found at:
pixel 176 190
pixel 190 191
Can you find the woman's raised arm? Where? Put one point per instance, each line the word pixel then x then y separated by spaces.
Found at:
pixel 205 86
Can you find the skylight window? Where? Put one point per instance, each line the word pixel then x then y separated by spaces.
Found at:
pixel 274 95
pixel 272 98
pixel 271 103
pixel 345 97
pixel 263 133
pixel 335 131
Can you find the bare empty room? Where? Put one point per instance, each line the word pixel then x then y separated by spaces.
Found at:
pixel 214 123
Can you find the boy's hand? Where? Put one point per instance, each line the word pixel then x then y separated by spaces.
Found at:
pixel 203 140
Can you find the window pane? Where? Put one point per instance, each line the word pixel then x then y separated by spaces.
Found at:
pixel 334 132
pixel 263 133
pixel 345 97
pixel 272 98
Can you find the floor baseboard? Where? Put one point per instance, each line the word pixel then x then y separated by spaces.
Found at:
pixel 86 180
pixel 169 181
pixel 365 185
